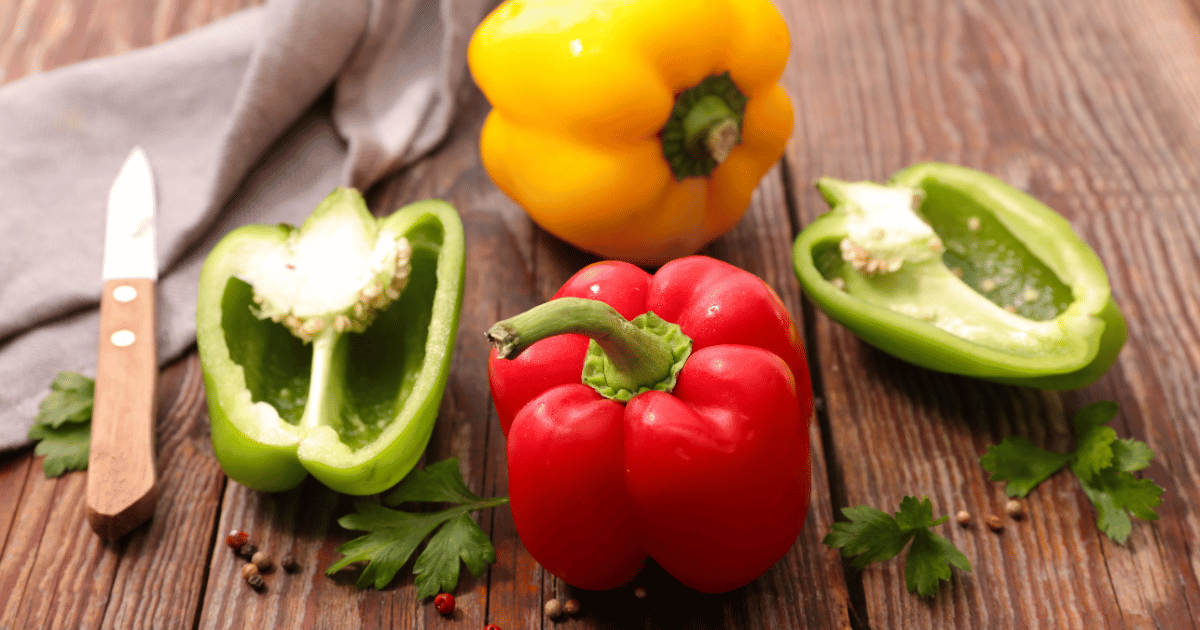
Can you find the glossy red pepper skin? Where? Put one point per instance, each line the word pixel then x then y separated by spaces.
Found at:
pixel 711 480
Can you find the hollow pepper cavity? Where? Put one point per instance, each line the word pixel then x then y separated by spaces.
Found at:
pixel 634 130
pixel 326 348
pixel 954 270
pixel 659 415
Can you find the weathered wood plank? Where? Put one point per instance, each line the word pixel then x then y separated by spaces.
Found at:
pixel 1084 106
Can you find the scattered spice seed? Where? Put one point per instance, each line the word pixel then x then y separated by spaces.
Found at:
pixel 253 577
pixel 553 608
pixel 571 606
pixel 263 561
pixel 1015 509
pixel 236 539
pixel 492 626
pixel 444 603
pixel 995 524
pixel 257 583
pixel 639 593
pixel 247 550
pixel 963 517
pixel 289 564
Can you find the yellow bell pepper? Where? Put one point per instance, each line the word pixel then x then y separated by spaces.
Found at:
pixel 634 129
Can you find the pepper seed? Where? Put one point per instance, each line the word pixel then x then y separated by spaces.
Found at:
pixel 995 524
pixel 1015 509
pixel 571 606
pixel 247 550
pixel 263 561
pixel 639 593
pixel 253 577
pixel 289 564
pixel 973 224
pixel 963 517
pixel 553 608
pixel 236 539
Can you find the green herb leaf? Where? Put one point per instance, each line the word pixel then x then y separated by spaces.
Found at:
pixel 929 560
pixel 63 425
pixel 1017 461
pixel 65 448
pixel 1114 493
pixel 1131 455
pixel 69 401
pixel 1103 464
pixel 462 538
pixel 395 535
pixel 872 535
pixel 440 482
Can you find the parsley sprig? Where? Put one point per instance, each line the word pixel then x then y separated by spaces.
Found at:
pixel 1103 463
pixel 63 426
pixel 873 535
pixel 395 535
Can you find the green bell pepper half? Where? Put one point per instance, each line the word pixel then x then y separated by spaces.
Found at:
pixel 326 348
pixel 954 270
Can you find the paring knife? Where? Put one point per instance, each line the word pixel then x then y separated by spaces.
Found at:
pixel 121 480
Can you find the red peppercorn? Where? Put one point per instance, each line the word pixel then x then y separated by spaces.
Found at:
pixel 236 539
pixel 444 603
pixel 492 626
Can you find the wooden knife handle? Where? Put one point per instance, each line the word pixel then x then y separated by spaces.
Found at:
pixel 121 480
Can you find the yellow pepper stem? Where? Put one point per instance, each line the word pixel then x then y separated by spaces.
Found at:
pixel 704 126
pixel 711 128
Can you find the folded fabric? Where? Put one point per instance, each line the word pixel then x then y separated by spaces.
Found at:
pixel 252 119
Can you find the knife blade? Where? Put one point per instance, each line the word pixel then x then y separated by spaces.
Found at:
pixel 122 483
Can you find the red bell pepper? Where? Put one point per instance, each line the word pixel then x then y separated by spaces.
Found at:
pixel 682 437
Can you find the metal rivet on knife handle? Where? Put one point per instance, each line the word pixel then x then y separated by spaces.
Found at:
pixel 124 293
pixel 123 338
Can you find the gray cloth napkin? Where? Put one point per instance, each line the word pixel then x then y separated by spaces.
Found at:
pixel 233 120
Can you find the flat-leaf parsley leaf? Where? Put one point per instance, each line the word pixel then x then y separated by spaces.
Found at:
pixel 63 426
pixel 395 534
pixel 1103 463
pixel 873 535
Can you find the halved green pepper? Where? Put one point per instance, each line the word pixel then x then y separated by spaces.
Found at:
pixel 326 348
pixel 955 270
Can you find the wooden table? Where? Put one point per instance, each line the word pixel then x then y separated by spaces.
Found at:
pixel 1090 105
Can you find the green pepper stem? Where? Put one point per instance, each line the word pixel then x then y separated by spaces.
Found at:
pixel 639 358
pixel 324 393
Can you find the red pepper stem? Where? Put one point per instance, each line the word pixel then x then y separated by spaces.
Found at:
pixel 639 358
